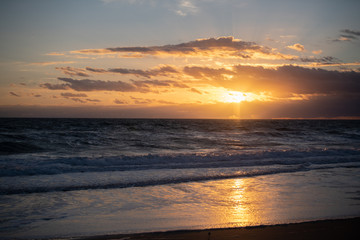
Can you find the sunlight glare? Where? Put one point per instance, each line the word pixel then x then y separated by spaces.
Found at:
pixel 234 97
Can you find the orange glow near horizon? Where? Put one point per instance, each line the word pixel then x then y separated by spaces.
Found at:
pixel 234 97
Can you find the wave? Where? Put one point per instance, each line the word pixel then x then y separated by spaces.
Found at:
pixel 50 165
pixel 142 178
pixel 8 148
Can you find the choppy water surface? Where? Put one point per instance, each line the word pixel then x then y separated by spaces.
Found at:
pixel 75 177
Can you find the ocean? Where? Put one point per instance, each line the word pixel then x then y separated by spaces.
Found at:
pixel 62 178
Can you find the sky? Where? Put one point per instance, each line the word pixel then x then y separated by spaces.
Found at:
pixel 226 59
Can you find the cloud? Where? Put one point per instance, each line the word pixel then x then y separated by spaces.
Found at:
pixel 96 70
pixel 117 101
pixel 317 52
pixel 55 54
pixel 78 100
pixel 120 86
pixel 165 102
pixel 319 107
pixel 51 63
pixel 66 95
pixel 186 7
pixel 204 73
pixel 141 100
pixel 163 70
pixel 98 85
pixel 92 51
pixel 324 60
pixel 297 47
pixel 14 94
pixel 347 35
pixel 55 86
pixel 342 39
pixel 92 100
pixel 352 32
pixel 78 97
pixel 73 71
pixel 158 83
pixel 227 47
pixel 195 90
pixel 281 81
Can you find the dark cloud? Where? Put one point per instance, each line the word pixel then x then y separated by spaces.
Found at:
pixel 352 32
pixel 304 80
pixel 195 90
pixel 141 100
pixel 14 94
pixel 78 100
pixel 73 71
pixel 159 71
pixel 135 72
pixel 87 85
pixel 324 60
pixel 222 46
pixel 347 35
pixel 117 101
pixel 76 97
pixel 207 72
pixel 92 100
pixel 73 95
pixel 96 70
pixel 147 73
pixel 158 83
pixel 95 85
pixel 55 86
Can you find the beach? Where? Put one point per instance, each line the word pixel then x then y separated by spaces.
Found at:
pixel 325 229
pixel 183 119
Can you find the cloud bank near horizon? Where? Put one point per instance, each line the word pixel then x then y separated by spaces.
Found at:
pixel 284 81
pixel 224 47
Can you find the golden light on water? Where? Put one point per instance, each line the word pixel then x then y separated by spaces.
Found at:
pixel 239 212
pixel 244 208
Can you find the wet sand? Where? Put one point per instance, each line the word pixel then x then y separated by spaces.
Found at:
pixel 325 229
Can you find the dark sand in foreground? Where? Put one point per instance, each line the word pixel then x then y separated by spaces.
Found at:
pixel 326 229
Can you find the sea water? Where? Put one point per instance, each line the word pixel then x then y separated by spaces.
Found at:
pixel 82 177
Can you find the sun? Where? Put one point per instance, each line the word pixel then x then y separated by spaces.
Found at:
pixel 234 97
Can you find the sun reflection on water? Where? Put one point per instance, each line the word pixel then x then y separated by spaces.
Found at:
pixel 243 210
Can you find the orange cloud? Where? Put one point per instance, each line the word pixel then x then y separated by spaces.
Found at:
pixel 297 47
pixel 51 63
pixel 92 51
pixel 55 54
pixel 317 52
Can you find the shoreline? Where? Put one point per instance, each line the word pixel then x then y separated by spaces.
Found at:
pixel 347 228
